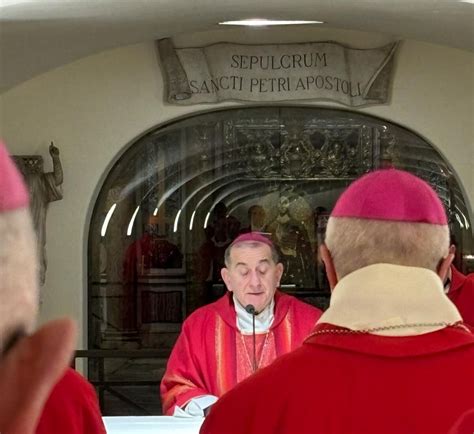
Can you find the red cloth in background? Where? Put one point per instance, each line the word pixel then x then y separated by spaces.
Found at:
pixel 461 293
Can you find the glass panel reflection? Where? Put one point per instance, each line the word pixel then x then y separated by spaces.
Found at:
pixel 180 194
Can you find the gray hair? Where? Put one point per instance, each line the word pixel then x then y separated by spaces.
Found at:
pixel 357 243
pixel 19 291
pixel 251 244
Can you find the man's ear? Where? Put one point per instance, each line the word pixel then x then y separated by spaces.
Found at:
pixel 28 373
pixel 226 278
pixel 452 249
pixel 445 264
pixel 328 265
pixel 279 271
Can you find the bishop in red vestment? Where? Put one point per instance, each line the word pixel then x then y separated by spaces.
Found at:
pixel 215 351
pixel 461 293
pixel 391 355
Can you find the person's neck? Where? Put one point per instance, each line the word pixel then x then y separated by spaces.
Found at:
pixel 263 320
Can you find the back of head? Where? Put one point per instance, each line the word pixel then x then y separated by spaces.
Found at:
pixel 387 216
pixel 19 267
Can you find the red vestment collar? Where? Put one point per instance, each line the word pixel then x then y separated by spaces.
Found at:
pixel 448 338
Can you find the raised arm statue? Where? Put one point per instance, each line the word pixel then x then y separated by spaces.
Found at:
pixel 44 188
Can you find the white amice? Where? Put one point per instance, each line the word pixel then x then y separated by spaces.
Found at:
pixel 263 320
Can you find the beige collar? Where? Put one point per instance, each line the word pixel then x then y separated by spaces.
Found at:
pixel 383 295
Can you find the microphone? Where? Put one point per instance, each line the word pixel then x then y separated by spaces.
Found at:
pixel 250 308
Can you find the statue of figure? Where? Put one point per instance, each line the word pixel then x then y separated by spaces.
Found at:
pixel 296 156
pixel 291 239
pixel 260 153
pixel 44 188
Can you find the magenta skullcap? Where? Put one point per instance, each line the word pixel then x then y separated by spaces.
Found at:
pixel 13 193
pixel 391 194
pixel 253 236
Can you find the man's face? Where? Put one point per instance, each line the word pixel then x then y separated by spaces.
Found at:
pixel 252 275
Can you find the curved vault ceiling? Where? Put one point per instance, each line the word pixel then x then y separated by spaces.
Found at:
pixel 38 35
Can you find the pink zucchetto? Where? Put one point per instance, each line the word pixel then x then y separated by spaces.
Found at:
pixel 13 193
pixel 253 236
pixel 391 194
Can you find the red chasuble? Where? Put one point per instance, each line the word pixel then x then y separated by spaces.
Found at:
pixel 72 408
pixel 211 356
pixel 461 293
pixel 343 383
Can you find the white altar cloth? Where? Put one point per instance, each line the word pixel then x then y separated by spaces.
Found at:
pixel 152 425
